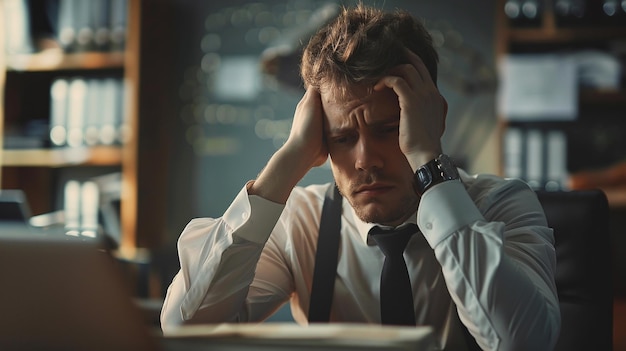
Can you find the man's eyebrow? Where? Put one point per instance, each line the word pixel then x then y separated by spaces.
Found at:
pixel 339 130
pixel 343 129
pixel 391 120
pixel 388 120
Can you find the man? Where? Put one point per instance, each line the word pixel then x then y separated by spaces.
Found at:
pixel 483 261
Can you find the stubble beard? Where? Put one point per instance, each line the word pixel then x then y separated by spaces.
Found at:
pixel 374 211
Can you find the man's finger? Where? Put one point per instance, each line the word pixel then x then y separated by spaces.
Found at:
pixel 419 65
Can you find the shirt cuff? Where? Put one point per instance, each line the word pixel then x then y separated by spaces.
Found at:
pixel 251 217
pixel 444 209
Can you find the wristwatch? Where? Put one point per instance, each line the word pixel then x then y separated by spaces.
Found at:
pixel 437 171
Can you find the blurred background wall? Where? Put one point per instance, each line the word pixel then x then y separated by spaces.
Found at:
pixel 231 117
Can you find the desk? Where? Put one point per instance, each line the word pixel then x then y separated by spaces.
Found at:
pixel 290 336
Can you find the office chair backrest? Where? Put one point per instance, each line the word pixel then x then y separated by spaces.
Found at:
pixel 583 270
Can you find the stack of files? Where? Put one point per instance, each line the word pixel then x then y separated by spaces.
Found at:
pixel 75 25
pixel 86 111
pixel 92 25
pixel 16 25
pixel 291 336
pixel 536 156
pixel 81 207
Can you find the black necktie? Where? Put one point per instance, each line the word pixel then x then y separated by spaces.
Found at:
pixel 396 295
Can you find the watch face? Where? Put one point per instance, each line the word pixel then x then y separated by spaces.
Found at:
pixel 424 177
pixel 434 172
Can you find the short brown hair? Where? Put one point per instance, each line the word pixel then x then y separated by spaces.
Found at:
pixel 361 45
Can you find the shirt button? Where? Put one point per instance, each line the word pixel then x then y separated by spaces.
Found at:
pixel 429 226
pixel 244 216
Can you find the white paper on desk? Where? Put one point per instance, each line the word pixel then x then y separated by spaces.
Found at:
pixel 538 88
pixel 326 337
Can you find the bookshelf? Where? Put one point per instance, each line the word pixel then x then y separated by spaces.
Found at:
pixel 56 60
pixel 63 157
pixel 34 169
pixel 596 134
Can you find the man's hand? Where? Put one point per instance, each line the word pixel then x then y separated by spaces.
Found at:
pixel 306 138
pixel 422 110
pixel 305 148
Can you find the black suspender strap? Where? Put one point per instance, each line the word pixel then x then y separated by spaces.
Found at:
pixel 326 257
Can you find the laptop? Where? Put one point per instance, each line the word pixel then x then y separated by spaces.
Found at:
pixel 65 293
pixel 14 209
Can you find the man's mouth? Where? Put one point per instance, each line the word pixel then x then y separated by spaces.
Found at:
pixel 372 189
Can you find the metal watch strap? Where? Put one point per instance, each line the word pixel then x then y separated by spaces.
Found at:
pixel 438 170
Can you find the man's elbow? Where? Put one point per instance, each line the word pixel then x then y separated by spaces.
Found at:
pixel 543 334
pixel 170 320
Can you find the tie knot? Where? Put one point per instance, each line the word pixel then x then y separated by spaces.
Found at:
pixel 392 242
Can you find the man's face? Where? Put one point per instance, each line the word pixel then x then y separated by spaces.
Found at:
pixel 369 168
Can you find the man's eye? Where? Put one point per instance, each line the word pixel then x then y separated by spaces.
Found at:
pixel 343 139
pixel 340 140
pixel 391 129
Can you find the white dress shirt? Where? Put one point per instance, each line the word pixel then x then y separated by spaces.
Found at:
pixel 485 257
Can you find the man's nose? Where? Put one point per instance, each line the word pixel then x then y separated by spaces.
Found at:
pixel 369 155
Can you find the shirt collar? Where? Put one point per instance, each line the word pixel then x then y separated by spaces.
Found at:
pixel 364 227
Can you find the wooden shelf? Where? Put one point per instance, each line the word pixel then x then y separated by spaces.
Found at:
pixel 603 96
pixel 563 35
pixel 52 60
pixel 62 157
pixel 551 31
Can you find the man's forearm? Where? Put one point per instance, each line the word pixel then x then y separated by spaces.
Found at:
pixel 496 273
pixel 283 171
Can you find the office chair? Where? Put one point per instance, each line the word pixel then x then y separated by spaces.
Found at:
pixel 580 220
